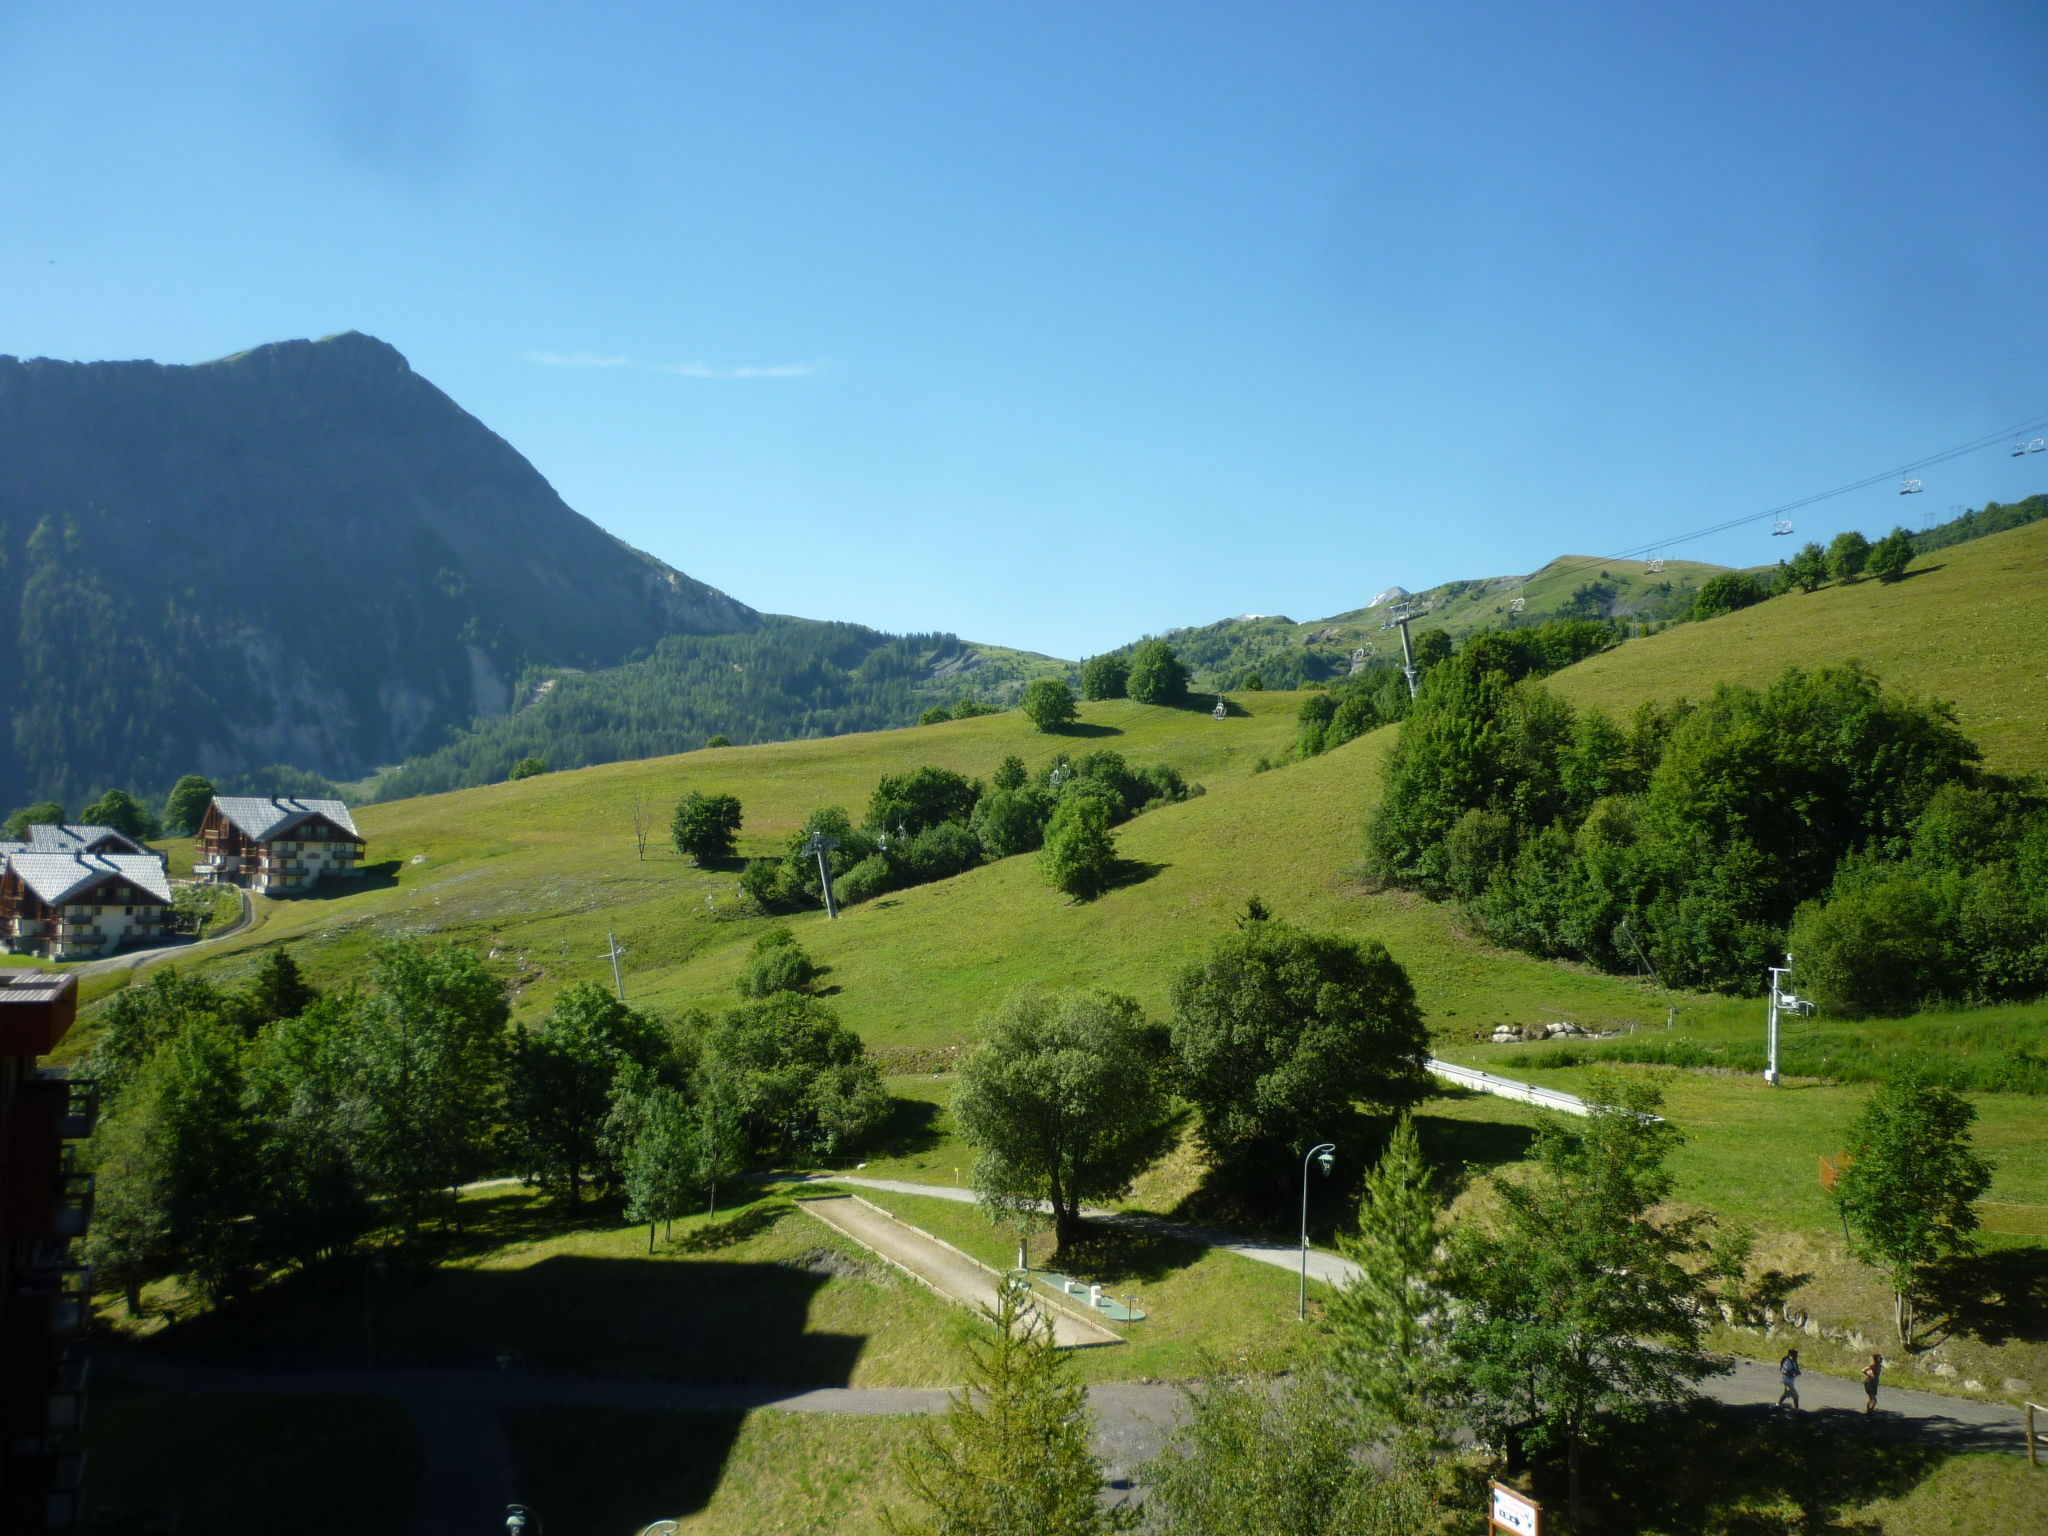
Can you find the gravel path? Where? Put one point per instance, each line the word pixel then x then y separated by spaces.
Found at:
pixel 939 1265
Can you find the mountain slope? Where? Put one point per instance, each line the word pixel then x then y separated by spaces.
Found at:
pixel 1964 625
pixel 304 553
pixel 1286 654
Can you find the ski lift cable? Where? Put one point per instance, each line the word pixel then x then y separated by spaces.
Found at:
pixel 1900 472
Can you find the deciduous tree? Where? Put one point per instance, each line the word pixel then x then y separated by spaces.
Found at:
pixel 1080 850
pixel 1157 676
pixel 706 827
pixel 1048 703
pixel 1846 555
pixel 1062 1101
pixel 1890 556
pixel 1105 677
pixel 1279 1033
pixel 1909 1193
pixel 185 806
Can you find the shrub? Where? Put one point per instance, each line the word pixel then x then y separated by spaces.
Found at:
pixel 1726 593
pixel 1011 821
pixel 781 968
pixel 941 851
pixel 1105 677
pixel 1048 703
pixel 873 876
pixel 1080 850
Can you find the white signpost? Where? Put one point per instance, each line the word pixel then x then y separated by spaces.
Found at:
pixel 1515 1512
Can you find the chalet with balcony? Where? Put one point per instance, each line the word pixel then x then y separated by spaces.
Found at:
pixel 46 1203
pixel 70 838
pixel 71 906
pixel 276 845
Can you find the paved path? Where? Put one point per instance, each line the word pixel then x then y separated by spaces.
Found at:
pixel 1505 1087
pixel 129 959
pixel 940 1265
pixel 1330 1268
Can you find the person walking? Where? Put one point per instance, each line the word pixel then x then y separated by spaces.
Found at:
pixel 1873 1374
pixel 1788 1373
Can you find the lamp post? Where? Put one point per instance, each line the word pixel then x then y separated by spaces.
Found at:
pixel 1325 1153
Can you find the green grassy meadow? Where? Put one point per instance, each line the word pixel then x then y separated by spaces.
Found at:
pixel 1964 625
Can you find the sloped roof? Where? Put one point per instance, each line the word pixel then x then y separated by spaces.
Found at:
pixel 57 877
pixel 263 818
pixel 73 837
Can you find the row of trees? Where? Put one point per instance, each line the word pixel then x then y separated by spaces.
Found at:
pixel 1848 557
pixel 930 823
pixel 268 1127
pixel 1684 842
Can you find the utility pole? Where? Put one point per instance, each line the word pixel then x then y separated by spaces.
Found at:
pixel 612 953
pixel 1777 973
pixel 1399 620
pixel 822 843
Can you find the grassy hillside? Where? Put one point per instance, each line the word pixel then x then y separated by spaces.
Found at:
pixel 544 869
pixel 1965 625
pixel 540 871
pixel 1286 654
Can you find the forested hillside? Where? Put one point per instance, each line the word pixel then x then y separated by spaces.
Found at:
pixel 789 679
pixel 305 553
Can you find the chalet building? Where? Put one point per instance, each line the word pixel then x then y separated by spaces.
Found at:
pixel 69 838
pixel 45 1288
pixel 276 845
pixel 70 906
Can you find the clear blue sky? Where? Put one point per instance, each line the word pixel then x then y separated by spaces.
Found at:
pixel 1055 324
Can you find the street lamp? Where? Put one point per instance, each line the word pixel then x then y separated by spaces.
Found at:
pixel 1324 1154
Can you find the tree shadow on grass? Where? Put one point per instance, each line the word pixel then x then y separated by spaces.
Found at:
pixel 1999 1297
pixel 381 876
pixel 1129 872
pixel 908 1130
pixel 1460 1149
pixel 1126 1255
pixel 1743 1471
pixel 1088 728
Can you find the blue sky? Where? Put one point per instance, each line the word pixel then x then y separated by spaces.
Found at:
pixel 1052 324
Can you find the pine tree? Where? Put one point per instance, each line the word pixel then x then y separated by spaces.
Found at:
pixel 1384 1323
pixel 1011 1455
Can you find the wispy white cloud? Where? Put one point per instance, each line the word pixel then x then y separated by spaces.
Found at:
pixel 578 360
pixel 772 371
pixel 681 370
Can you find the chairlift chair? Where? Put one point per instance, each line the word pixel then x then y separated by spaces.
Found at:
pixel 1910 487
pixel 1780 527
pixel 1654 566
pixel 1518 605
pixel 2037 445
